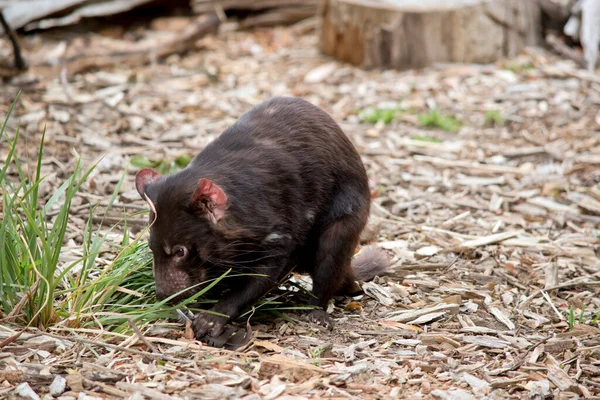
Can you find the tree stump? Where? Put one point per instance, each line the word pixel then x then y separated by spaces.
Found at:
pixel 415 33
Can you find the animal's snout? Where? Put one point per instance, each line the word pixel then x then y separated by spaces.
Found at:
pixel 161 293
pixel 172 283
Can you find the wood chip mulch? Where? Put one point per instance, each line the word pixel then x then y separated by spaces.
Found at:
pixel 494 229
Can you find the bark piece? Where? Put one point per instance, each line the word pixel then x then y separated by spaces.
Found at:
pixel 264 12
pixel 294 370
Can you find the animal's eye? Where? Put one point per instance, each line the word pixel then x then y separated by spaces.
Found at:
pixel 180 251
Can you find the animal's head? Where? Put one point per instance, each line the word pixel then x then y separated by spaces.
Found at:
pixel 184 218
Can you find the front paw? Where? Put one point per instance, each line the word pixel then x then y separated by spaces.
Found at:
pixel 320 317
pixel 211 324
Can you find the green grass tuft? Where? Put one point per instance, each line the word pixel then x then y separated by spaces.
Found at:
pixel 30 272
pixel 426 138
pixel 493 117
pixel 580 319
pixel 435 119
pixel 520 68
pixel 163 167
pixel 571 318
pixel 375 115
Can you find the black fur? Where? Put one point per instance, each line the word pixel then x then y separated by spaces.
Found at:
pixel 297 198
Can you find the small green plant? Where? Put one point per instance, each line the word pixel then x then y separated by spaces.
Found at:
pixel 163 167
pixel 493 117
pixel 320 351
pixel 581 314
pixel 375 115
pixel 426 138
pixel 435 119
pixel 571 318
pixel 520 68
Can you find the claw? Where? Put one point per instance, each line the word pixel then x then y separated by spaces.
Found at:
pixel 205 323
pixel 320 317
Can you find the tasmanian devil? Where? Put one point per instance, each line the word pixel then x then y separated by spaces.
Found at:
pixel 282 189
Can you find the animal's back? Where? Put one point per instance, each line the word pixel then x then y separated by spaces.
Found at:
pixel 287 161
pixel 288 125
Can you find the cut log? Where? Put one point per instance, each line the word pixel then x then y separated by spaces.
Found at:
pixel 262 12
pixel 415 33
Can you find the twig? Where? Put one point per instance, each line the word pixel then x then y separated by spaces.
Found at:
pixel 12 338
pixel 20 62
pixel 574 282
pixel 564 50
pixel 491 239
pixel 389 215
pixel 146 391
pixel 519 361
pixel 108 389
pixel 154 356
pixel 499 169
pixel 141 336
pixel 549 300
pixel 456 218
pixel 592 348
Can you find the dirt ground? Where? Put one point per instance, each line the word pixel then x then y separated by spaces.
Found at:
pixel 493 229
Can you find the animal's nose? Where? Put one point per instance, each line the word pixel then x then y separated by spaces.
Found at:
pixel 164 293
pixel 161 294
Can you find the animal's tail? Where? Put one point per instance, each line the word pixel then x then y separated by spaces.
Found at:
pixel 369 262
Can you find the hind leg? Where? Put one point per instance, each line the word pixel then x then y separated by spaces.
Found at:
pixel 332 271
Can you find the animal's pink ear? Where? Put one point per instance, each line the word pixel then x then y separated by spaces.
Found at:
pixel 210 200
pixel 143 178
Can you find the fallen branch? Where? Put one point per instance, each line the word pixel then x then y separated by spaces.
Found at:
pixel 564 50
pixel 201 6
pixel 491 239
pixel 20 62
pixel 134 54
pixel 264 12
